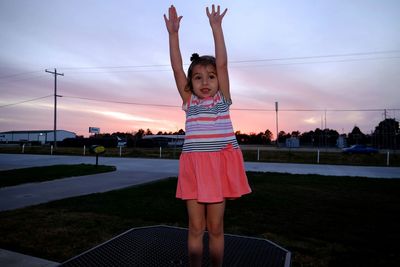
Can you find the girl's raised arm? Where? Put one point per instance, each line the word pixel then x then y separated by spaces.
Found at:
pixel 221 58
pixel 172 23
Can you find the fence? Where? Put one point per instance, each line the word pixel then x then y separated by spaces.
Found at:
pixel 250 153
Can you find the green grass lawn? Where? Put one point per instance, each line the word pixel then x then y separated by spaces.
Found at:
pixel 40 174
pixel 322 220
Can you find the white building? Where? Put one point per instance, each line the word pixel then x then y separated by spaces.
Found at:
pixel 341 142
pixel 292 142
pixel 43 136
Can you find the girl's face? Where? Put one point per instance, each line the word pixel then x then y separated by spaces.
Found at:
pixel 204 81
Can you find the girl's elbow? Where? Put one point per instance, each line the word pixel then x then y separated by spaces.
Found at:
pixel 221 63
pixel 221 68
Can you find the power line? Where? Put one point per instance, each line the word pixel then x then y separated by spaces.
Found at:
pixel 257 60
pixel 120 69
pixel 316 62
pixel 22 79
pixel 121 102
pixel 116 67
pixel 25 101
pixel 176 106
pixel 18 74
pixel 319 56
pixel 239 109
pixel 363 54
pixel 117 71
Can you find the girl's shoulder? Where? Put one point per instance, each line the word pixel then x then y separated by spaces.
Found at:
pixel 186 104
pixel 222 98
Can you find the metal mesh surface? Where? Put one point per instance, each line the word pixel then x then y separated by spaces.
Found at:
pixel 167 246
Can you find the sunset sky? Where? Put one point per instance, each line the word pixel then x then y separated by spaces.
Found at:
pixel 328 63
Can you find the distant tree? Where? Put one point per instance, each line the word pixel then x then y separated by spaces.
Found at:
pixel 295 134
pixel 148 132
pixel 319 138
pixel 130 139
pixel 264 138
pixel 261 138
pixel 254 139
pixel 387 134
pixel 307 138
pixel 242 138
pixel 105 139
pixel 139 134
pixel 136 137
pixel 268 135
pixel 356 137
pixel 282 136
pixel 180 132
pixel 100 135
pixel 331 137
pixel 123 136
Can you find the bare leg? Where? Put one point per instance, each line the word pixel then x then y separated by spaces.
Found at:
pixel 215 226
pixel 197 225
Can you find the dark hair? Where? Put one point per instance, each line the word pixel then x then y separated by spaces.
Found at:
pixel 197 60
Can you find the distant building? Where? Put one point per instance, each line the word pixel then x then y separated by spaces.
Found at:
pixel 341 142
pixel 41 136
pixel 292 142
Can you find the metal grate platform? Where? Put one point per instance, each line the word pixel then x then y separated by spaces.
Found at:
pixel 167 246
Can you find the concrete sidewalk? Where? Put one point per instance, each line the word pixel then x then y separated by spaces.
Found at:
pixel 129 172
pixel 13 259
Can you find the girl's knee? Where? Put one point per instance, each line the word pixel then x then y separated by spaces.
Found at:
pixel 197 228
pixel 197 217
pixel 215 219
pixel 215 228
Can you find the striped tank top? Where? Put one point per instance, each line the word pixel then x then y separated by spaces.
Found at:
pixel 208 124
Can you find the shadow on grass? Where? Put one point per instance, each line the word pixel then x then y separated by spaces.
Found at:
pixel 324 221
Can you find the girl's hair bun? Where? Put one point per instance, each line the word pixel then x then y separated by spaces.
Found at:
pixel 194 57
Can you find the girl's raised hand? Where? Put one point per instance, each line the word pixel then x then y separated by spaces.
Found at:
pixel 215 17
pixel 173 20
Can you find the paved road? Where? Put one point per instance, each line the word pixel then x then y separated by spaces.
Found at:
pixel 134 171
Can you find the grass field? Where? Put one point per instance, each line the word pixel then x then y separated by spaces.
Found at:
pixel 322 220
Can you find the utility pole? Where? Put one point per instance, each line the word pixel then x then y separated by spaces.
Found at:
pixel 276 119
pixel 325 133
pixel 55 73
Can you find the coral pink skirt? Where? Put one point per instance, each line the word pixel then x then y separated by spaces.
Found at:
pixel 211 177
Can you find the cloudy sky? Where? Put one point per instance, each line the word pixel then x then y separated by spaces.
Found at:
pixel 327 63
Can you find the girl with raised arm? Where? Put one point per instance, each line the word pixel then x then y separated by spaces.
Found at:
pixel 211 168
